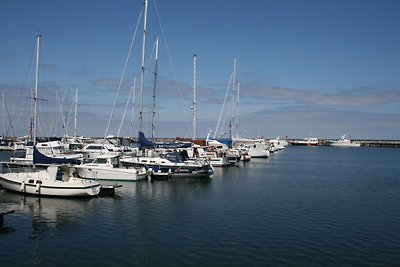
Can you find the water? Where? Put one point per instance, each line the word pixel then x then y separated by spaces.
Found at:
pixel 303 206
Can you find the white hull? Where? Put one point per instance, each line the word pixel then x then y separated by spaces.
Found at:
pixel 40 183
pixel 119 174
pixel 256 148
pixel 219 162
pixel 258 153
pixel 343 144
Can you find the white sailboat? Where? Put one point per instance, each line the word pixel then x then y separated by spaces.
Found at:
pixel 256 148
pixel 54 180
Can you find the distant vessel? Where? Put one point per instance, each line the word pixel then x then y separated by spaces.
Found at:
pixel 343 141
pixel 308 141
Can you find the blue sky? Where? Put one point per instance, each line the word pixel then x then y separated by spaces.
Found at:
pixel 320 68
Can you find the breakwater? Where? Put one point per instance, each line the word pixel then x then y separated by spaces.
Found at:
pixel 365 143
pixel 380 143
pixel 322 142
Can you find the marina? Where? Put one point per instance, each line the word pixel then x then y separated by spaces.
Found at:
pixel 287 157
pixel 301 206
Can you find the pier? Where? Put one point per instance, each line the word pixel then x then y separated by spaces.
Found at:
pixel 380 143
pixel 365 143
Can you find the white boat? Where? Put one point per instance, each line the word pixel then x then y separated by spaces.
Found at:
pixel 172 165
pixel 108 167
pixel 308 141
pixel 51 149
pixel 343 141
pixel 54 181
pixel 257 148
pixel 277 144
pixel 92 151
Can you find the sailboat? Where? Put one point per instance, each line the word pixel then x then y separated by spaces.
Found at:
pixel 55 180
pixel 250 148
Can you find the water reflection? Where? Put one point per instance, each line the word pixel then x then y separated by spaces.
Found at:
pixel 46 213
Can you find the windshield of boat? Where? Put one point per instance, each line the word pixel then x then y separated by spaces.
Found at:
pixel 100 160
pixel 115 161
pixel 173 157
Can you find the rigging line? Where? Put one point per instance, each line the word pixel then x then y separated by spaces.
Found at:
pixel 60 104
pixel 228 111
pixel 69 112
pixel 10 117
pixel 122 76
pixel 126 107
pixel 188 121
pixel 223 105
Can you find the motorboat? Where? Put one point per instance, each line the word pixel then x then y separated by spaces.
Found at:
pixel 91 151
pixel 108 167
pixel 343 141
pixel 172 164
pixel 277 144
pixel 308 141
pixel 256 148
pixel 55 180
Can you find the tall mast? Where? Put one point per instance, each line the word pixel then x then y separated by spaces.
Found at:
pixel 4 117
pixel 153 119
pixel 76 110
pixel 133 104
pixel 36 97
pixel 194 97
pixel 234 97
pixel 237 109
pixel 143 63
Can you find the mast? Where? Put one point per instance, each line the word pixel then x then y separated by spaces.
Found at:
pixel 143 63
pixel 237 109
pixel 76 110
pixel 153 126
pixel 194 97
pixel 133 104
pixel 4 117
pixel 234 97
pixel 35 97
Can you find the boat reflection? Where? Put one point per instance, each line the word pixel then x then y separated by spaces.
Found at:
pixel 47 213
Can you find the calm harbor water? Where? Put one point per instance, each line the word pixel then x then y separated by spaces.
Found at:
pixel 318 206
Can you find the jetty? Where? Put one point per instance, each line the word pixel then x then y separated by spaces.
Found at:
pixel 365 143
pixel 380 143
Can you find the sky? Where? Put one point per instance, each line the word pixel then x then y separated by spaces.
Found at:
pixel 304 67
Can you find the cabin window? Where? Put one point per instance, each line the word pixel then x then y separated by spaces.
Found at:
pixel 59 175
pixel 115 161
pixel 94 147
pixel 100 160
